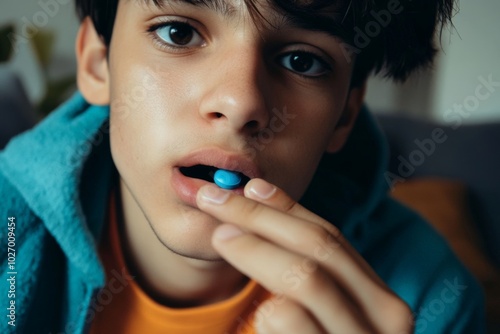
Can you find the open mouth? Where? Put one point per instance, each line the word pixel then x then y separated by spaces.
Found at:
pixel 204 172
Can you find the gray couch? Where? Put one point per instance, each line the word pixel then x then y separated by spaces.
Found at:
pixel 467 153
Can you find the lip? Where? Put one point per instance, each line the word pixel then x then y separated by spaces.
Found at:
pixel 186 188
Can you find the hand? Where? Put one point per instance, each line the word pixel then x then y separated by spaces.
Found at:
pixel 323 284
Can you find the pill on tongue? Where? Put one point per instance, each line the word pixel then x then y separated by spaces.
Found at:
pixel 227 179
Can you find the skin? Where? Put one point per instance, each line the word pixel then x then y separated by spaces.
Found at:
pixel 220 93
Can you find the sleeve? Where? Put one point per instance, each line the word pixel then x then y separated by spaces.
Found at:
pixel 418 265
pixel 453 302
pixel 20 247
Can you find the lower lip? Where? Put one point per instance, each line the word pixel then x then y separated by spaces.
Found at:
pixel 187 187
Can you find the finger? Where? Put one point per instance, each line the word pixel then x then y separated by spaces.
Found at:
pixel 270 195
pixel 288 231
pixel 282 315
pixel 299 236
pixel 291 232
pixel 267 193
pixel 293 275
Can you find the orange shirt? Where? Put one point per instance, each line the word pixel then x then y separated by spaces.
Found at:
pixel 123 307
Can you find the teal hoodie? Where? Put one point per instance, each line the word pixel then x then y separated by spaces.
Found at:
pixel 55 180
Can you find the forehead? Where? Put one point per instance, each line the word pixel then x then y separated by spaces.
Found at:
pixel 225 7
pixel 234 4
pixel 328 16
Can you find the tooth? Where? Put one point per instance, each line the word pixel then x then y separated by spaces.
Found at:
pixel 227 179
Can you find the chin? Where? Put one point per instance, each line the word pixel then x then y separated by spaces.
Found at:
pixel 190 235
pixel 198 255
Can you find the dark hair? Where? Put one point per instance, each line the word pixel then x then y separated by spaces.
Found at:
pixel 403 40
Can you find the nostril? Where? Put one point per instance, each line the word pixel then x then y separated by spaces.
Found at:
pixel 252 125
pixel 215 115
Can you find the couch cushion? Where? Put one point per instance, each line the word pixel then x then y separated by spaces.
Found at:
pixel 466 153
pixel 445 204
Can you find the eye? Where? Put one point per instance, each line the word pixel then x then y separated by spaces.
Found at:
pixel 178 34
pixel 304 63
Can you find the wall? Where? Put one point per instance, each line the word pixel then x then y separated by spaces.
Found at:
pixel 473 52
pixel 470 51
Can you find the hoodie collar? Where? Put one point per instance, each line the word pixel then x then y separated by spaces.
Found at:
pixel 348 185
pixel 45 164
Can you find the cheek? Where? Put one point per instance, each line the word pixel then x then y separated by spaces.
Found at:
pixel 129 149
pixel 137 121
pixel 143 103
pixel 300 147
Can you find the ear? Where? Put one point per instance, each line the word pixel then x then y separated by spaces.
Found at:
pixel 92 70
pixel 348 118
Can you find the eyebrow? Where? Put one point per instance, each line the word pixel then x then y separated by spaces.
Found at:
pixel 219 6
pixel 330 25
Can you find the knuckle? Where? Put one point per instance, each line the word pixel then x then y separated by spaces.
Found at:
pixel 315 234
pixel 335 235
pixel 400 314
pixel 287 317
pixel 250 210
pixel 319 237
pixel 397 306
pixel 331 228
pixel 315 284
pixel 289 205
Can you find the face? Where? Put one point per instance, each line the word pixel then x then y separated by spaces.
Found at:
pixel 190 86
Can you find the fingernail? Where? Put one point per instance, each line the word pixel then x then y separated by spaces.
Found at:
pixel 226 232
pixel 213 194
pixel 262 189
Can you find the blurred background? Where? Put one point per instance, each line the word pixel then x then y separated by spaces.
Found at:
pixel 43 48
pixel 452 179
pixel 469 51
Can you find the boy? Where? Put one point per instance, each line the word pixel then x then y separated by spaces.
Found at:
pixel 271 90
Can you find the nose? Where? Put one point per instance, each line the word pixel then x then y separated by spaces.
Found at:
pixel 235 96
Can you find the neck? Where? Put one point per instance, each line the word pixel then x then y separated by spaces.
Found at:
pixel 169 278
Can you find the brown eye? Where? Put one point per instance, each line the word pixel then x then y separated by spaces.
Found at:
pixel 178 34
pixel 304 63
pixel 301 62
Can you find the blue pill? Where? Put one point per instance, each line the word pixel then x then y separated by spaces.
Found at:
pixel 227 179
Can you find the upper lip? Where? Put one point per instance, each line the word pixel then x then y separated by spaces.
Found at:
pixel 223 160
